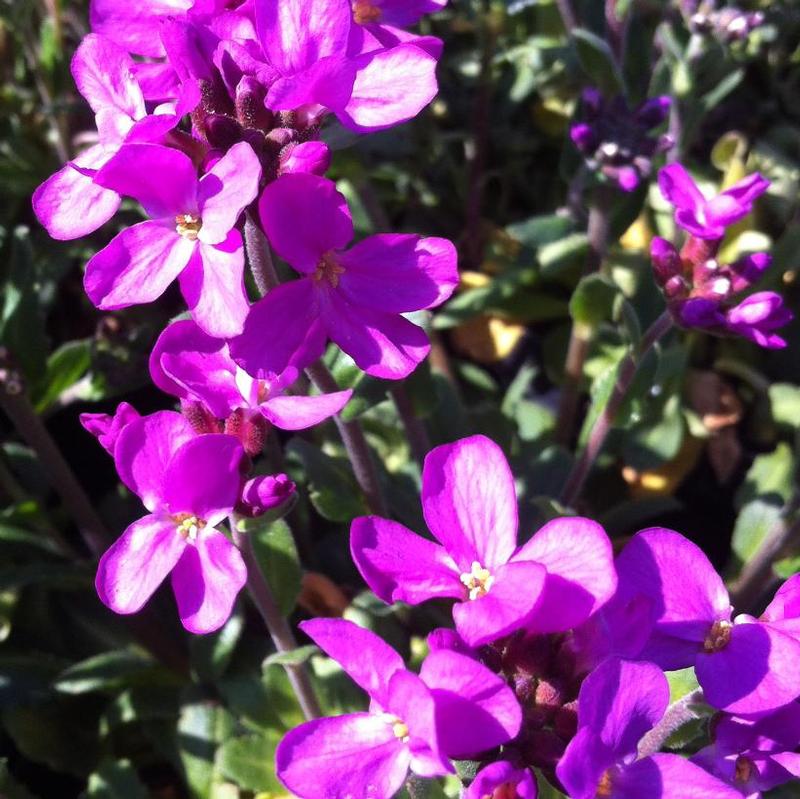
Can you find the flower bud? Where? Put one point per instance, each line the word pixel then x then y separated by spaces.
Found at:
pixel 267 493
pixel 666 260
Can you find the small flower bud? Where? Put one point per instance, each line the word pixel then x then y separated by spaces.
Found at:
pixel 666 260
pixel 267 493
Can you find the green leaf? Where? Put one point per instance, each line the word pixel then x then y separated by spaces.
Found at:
pixel 648 446
pixel 598 62
pixel 249 761
pixel 115 779
pixel 293 657
pixel 104 672
pixel 592 301
pixel 212 653
pixel 785 402
pixel 277 555
pixel 65 367
pixel 202 728
pixel 9 787
pixel 753 523
pixel 546 790
pixel 332 488
pixel 770 476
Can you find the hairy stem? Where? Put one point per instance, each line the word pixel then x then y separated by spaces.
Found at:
pixel 597 438
pixel 259 256
pixel 416 433
pixel 568 15
pixel 756 575
pixel 354 442
pixel 278 627
pixel 678 714
pixel 266 278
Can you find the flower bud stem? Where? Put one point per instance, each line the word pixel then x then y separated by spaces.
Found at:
pixel 630 364
pixel 278 627
pixel 678 714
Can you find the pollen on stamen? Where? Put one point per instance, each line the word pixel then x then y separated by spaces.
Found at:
pixel 189 525
pixel 478 580
pixel 743 769
pixel 718 637
pixel 399 727
pixel 605 787
pixel 188 226
pixel 366 11
pixel 328 269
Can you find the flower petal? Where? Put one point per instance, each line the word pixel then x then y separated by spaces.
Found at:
pixel 70 204
pixel 353 755
pixel 491 779
pixel 506 607
pixel 213 287
pixel 391 87
pixel 206 581
pixel 666 776
pixel 144 450
pixel 204 477
pixel 469 501
pixel 295 34
pixel 304 217
pixel 400 566
pixel 281 328
pixel 620 701
pixel 368 659
pixel 679 188
pixel 162 179
pixel 136 564
pixel 382 344
pixel 580 572
pixel 226 190
pixel 298 412
pixel 190 364
pixel 583 764
pixel 137 266
pixel 754 673
pixel 399 272
pixel 475 709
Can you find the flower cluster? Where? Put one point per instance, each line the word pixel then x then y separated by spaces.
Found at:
pixel 616 141
pixel 579 639
pixel 728 23
pixel 209 113
pixel 700 291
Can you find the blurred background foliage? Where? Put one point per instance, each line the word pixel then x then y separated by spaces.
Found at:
pixel 98 706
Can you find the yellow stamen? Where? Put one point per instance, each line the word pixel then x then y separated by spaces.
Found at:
pixel 328 269
pixel 478 580
pixel 744 769
pixel 605 787
pixel 188 525
pixel 188 226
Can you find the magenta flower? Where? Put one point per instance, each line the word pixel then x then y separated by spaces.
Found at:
pixel 501 780
pixel 700 292
pixel 106 429
pixel 708 219
pixel 744 665
pixel 552 583
pixel 70 204
pixel 455 707
pixel 191 234
pixel 755 755
pixel 618 703
pixel 189 364
pixel 306 47
pixel 188 484
pixel 355 297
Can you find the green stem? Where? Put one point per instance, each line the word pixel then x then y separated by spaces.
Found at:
pixel 630 365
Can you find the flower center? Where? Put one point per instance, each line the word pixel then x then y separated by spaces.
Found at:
pixel 478 580
pixel 399 727
pixel 328 269
pixel 505 791
pixel 188 226
pixel 718 637
pixel 366 11
pixel 744 769
pixel 189 525
pixel 604 787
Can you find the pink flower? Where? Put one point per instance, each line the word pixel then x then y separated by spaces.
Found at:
pixel 191 234
pixel 355 297
pixel 188 484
